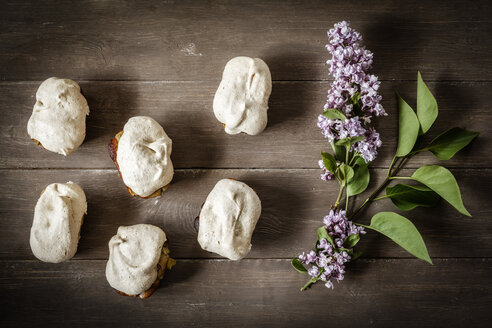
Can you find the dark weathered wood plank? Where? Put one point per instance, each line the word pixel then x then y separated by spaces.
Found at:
pixel 291 139
pixel 171 55
pixel 186 40
pixel 252 293
pixel 293 201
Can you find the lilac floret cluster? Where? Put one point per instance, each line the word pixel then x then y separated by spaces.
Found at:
pixel 328 263
pixel 349 65
pixel 326 175
pixel 354 91
pixel 368 148
pixel 336 129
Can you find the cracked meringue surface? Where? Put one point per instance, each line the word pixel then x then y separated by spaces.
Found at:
pixel 228 218
pixel 144 156
pixel 241 101
pixel 134 253
pixel 58 118
pixel 58 217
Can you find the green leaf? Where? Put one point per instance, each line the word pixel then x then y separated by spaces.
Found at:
pixel 296 263
pixel 442 181
pixel 351 241
pixel 401 231
pixel 361 178
pixel 348 142
pixel 407 197
pixel 355 98
pixel 322 233
pixel 355 255
pixel 345 173
pixel 448 143
pixel 340 152
pixel 426 105
pixel 334 114
pixel 408 128
pixel 329 161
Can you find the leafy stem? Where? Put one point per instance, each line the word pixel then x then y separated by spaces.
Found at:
pixel 393 161
pixel 352 160
pixel 347 152
pixel 346 201
pixel 346 193
pixel 379 198
pixel 312 280
pixel 340 193
pixel 385 183
pixel 309 283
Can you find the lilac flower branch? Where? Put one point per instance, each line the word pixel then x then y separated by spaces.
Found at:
pixel 353 101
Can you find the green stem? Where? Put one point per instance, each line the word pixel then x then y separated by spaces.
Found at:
pixel 403 161
pixel 347 152
pixel 393 161
pixel 372 196
pixel 360 224
pixel 309 283
pixel 383 185
pixel 418 151
pixel 340 193
pixel 361 206
pixel 379 198
pixel 346 201
pixel 353 157
pixel 401 178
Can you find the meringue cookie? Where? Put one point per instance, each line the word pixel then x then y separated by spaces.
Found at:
pixel 241 101
pixel 58 117
pixel 228 218
pixel 58 216
pixel 134 253
pixel 143 156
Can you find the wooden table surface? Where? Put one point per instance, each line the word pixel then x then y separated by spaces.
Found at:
pixel 165 59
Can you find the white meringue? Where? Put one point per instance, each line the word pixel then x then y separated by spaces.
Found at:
pixel 134 253
pixel 228 218
pixel 58 216
pixel 58 117
pixel 143 156
pixel 241 101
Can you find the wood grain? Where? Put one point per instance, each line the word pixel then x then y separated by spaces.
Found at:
pixel 186 40
pixel 293 205
pixel 291 139
pixel 251 293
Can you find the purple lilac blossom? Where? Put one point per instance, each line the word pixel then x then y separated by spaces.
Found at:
pixel 367 148
pixel 329 263
pixel 336 129
pixel 352 88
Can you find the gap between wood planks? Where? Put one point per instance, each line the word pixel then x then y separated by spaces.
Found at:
pixel 218 81
pixel 228 168
pixel 214 259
